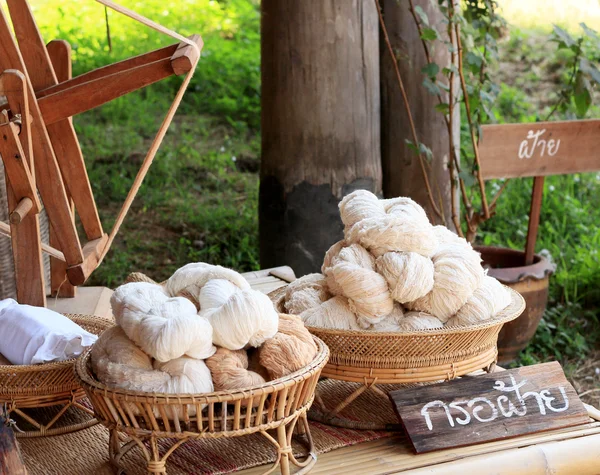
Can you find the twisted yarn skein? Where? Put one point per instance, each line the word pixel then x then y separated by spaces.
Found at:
pixel 290 349
pixel 229 370
pixel 409 275
pixel 490 298
pixel 419 321
pixel 333 313
pixel 306 292
pixel 457 273
pixel 164 327
pixel 238 317
pixel 381 226
pixel 120 363
pixel 353 272
pixel 192 277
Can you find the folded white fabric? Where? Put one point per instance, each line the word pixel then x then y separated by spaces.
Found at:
pixel 32 335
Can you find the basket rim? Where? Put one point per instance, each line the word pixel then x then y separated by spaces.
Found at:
pixel 59 365
pixel 90 383
pixel 514 310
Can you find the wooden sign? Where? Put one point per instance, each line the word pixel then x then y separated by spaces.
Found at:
pixel 489 407
pixel 539 149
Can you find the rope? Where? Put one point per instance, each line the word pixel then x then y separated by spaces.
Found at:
pixel 164 126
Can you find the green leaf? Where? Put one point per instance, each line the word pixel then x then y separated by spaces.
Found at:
pixel 450 69
pixel 582 94
pixel 431 70
pixel 424 18
pixel 563 37
pixel 425 150
pixel 443 107
pixel 467 178
pixel 474 59
pixel 431 87
pixel 590 69
pixel 591 33
pixel 429 34
pixel 411 146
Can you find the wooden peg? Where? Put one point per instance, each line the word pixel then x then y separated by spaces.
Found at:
pixel 21 211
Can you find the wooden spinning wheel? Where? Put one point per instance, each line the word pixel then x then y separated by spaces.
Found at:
pixel 41 152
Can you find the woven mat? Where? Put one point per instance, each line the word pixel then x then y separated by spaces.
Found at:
pixel 86 452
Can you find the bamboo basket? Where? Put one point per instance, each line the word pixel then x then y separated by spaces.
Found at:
pixel 414 357
pixel 42 396
pixel 146 419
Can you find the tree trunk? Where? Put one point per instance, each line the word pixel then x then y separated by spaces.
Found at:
pixel 320 123
pixel 402 174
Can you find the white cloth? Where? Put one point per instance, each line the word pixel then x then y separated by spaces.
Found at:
pixel 32 335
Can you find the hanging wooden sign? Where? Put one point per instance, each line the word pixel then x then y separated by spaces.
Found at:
pixel 539 149
pixel 489 407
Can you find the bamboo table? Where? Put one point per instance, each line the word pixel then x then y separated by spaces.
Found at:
pixel 569 451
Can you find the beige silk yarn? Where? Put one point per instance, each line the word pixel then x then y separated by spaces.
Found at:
pixel 333 313
pixel 419 321
pixel 229 370
pixel 457 273
pixel 381 226
pixel 391 323
pixel 490 298
pixel 164 327
pixel 119 363
pixel 409 275
pixel 353 272
pixel 306 292
pixel 238 317
pixel 290 349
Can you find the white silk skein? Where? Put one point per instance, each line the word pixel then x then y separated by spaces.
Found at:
pixel 238 317
pixel 409 275
pixel 353 271
pixel 382 226
pixel 164 327
pixel 192 277
pixel 457 273
pixel 490 298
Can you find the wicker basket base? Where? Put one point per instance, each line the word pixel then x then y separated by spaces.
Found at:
pixel 57 416
pixel 46 399
pixel 281 438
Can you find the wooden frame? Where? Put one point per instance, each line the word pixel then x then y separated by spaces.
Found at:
pixel 41 151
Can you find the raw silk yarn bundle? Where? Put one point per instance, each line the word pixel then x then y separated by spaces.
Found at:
pixel 395 272
pixel 190 335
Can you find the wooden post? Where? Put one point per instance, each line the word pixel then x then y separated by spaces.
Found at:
pixel 537 194
pixel 320 123
pixel 402 175
pixel 11 462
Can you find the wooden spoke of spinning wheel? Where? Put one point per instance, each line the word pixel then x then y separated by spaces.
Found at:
pixel 52 98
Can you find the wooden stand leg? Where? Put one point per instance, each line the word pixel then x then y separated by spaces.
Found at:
pixel 60 57
pixel 11 462
pixel 27 255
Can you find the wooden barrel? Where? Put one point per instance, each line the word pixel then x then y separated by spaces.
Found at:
pixel 507 265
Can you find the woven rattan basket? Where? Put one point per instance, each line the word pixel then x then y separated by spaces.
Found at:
pixel 146 419
pixel 46 399
pixel 375 358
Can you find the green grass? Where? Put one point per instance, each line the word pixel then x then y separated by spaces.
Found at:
pixel 199 201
